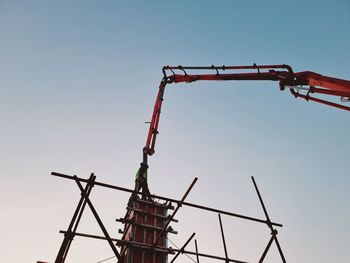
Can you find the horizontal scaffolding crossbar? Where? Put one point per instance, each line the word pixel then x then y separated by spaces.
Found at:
pixel 210 256
pixel 90 236
pixel 158 249
pixel 119 241
pixel 175 211
pixel 168 199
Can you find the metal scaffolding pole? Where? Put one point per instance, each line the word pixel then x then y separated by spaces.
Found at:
pixel 175 211
pixel 273 231
pixel 223 238
pixel 69 234
pixel 99 221
pixel 171 200
pixel 85 192
pixel 182 248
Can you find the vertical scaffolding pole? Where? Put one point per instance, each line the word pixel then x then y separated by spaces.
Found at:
pixel 85 192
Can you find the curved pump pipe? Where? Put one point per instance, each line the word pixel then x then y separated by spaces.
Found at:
pixel 282 73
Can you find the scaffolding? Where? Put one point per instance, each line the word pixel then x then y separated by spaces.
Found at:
pixel 147 224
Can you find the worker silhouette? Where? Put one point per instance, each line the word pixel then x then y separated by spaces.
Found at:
pixel 141 181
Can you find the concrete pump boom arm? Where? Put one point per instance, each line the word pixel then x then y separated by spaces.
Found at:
pixel 283 73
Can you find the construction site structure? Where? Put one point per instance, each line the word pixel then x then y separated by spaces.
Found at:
pixel 147 225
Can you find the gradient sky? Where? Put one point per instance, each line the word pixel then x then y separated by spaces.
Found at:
pixel 78 79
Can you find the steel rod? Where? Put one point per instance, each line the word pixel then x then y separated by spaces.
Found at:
pixel 266 250
pixel 99 221
pixel 273 231
pixel 179 204
pixel 170 200
pixel 196 246
pixel 211 256
pixel 117 240
pixel 262 204
pixel 87 192
pixel 182 248
pixel 279 249
pixel 223 237
pixel 90 236
pixel 168 249
pixel 63 251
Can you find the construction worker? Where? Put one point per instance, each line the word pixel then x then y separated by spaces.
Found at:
pixel 141 181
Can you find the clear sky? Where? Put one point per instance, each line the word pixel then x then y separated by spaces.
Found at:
pixel 78 79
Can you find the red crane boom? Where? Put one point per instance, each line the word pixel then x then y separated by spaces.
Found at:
pixel 307 81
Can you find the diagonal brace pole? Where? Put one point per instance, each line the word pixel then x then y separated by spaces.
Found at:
pixel 266 250
pixel 196 247
pixel 174 213
pixel 223 238
pixel 168 199
pixel 99 221
pixel 70 233
pixel 183 248
pixel 268 222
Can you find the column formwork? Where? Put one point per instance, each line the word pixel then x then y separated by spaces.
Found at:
pixel 143 223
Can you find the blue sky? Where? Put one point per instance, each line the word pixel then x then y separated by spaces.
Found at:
pixel 79 79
